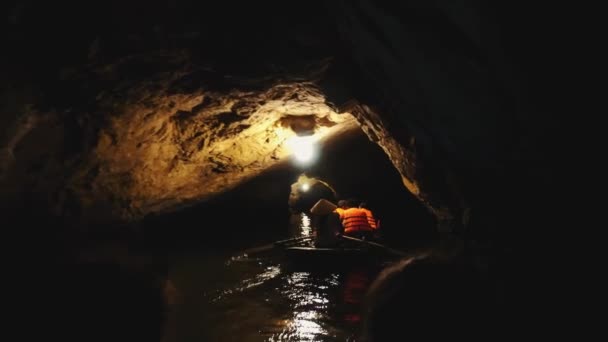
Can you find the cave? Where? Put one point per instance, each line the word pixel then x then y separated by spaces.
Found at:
pixel 134 133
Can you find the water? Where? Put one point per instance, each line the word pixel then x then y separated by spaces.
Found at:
pixel 266 298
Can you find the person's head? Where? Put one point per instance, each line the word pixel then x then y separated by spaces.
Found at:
pixel 428 297
pixel 343 204
pixel 352 203
pixel 363 205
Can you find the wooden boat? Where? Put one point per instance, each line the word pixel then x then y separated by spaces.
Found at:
pixel 348 250
pixel 345 252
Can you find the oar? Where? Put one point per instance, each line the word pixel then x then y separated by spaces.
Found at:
pixel 273 245
pixel 298 239
pixel 391 250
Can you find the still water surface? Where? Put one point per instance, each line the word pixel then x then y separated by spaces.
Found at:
pixel 266 297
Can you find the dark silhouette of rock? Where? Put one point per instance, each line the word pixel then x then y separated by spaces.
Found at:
pixel 429 297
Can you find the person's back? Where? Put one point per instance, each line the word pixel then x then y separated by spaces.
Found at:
pixel 355 222
pixel 327 223
pixel 328 230
pixel 370 216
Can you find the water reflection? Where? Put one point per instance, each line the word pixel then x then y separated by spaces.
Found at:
pixel 269 273
pixel 355 286
pixel 267 299
pixel 321 306
pixel 305 225
pixel 305 327
pixel 300 225
pixel 301 328
pixel 309 301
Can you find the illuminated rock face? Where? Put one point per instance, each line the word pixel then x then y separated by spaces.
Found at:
pixel 307 191
pixel 159 147
pixel 186 147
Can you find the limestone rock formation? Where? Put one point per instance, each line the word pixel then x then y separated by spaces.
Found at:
pixel 162 142
pixel 307 191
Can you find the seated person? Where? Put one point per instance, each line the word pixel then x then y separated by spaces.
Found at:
pixel 326 224
pixel 356 222
pixel 373 222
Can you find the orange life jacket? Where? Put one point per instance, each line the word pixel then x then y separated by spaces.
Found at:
pixel 355 220
pixel 370 218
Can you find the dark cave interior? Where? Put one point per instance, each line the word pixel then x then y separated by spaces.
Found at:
pixel 155 127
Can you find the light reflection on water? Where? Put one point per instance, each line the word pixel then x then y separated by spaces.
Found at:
pixel 301 328
pixel 268 273
pixel 266 299
pixel 310 304
pixel 305 225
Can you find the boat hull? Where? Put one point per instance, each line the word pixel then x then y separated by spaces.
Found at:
pixel 330 257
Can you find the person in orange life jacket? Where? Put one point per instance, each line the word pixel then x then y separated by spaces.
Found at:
pixel 342 205
pixel 355 221
pixel 373 223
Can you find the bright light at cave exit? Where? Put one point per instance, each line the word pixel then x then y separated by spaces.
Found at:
pixel 303 149
pixel 305 187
